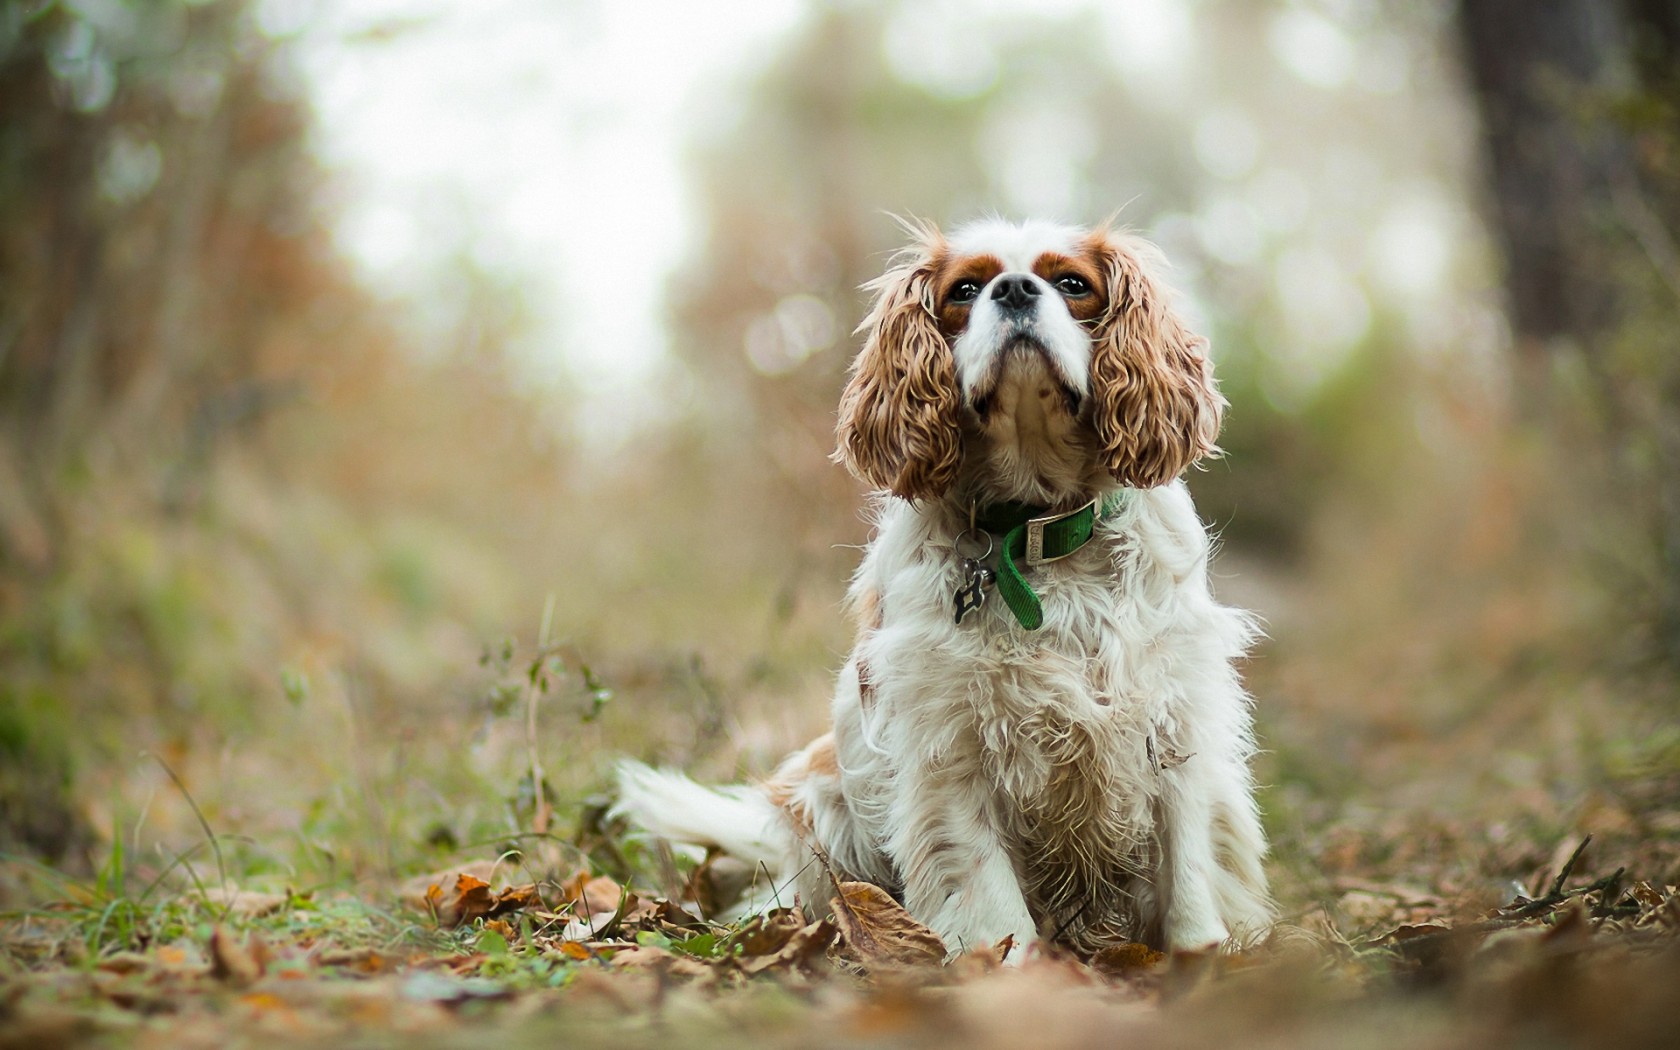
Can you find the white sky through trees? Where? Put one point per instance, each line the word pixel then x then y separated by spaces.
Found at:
pixel 551 144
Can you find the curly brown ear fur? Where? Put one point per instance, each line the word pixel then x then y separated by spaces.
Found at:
pixel 898 427
pixel 1157 407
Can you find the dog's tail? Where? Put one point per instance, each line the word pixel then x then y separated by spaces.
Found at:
pixel 741 821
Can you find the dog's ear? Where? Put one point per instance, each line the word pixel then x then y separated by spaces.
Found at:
pixel 899 427
pixel 1157 408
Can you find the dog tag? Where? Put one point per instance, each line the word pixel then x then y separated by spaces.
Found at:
pixel 972 594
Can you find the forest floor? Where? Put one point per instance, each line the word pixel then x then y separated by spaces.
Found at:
pixel 1449 872
pixel 1397 938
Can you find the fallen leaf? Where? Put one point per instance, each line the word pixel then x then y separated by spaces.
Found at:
pixel 180 957
pixel 640 913
pixel 471 898
pixel 670 914
pixel 516 898
pixel 879 932
pixel 1001 949
pixel 360 960
pixel 1409 931
pixel 592 896
pixel 469 893
pixel 591 925
pixel 416 892
pixel 1119 959
pixel 766 934
pixel 1646 894
pixel 683 966
pixel 719 882
pixel 125 963
pixel 1569 925
pixel 629 956
pixel 263 1001
pixel 1365 910
pixel 231 961
pixel 799 952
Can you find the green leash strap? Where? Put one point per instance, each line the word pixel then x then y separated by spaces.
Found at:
pixel 1033 538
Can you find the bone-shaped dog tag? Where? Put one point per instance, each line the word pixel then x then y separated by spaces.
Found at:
pixel 972 594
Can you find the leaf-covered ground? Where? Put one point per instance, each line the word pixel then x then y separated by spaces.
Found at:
pixel 1482 855
pixel 469 955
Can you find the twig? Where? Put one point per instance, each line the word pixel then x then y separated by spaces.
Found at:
pixel 1557 894
pixel 1568 866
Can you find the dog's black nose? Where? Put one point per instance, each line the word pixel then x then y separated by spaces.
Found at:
pixel 1015 291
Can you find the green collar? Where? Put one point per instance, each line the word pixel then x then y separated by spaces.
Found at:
pixel 1032 538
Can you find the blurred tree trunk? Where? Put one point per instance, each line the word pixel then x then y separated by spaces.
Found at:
pixel 1549 175
pixel 1579 102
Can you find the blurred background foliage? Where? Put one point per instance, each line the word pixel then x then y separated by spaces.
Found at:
pixel 260 515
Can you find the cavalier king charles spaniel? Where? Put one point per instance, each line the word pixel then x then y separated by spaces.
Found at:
pixel 1040 733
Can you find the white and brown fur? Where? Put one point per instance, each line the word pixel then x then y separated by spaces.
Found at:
pixel 1087 782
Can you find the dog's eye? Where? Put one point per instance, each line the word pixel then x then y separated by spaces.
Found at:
pixel 964 291
pixel 1072 286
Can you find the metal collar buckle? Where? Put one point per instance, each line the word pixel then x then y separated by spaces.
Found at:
pixel 1035 534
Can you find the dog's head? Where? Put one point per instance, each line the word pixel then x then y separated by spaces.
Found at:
pixel 1028 360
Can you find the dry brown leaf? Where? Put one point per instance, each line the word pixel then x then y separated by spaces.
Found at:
pixel 650 959
pixel 632 956
pixel 1002 949
pixel 231 961
pixel 1570 925
pixel 800 952
pixel 640 912
pixel 592 896
pixel 1120 959
pixel 1411 930
pixel 1646 894
pixel 451 908
pixel 879 932
pixel 263 1001
pixel 515 898
pixel 361 960
pixel 687 966
pixel 669 913
pixel 471 898
pixel 125 963
pixel 416 892
pixel 767 934
pixel 182 956
pixel 718 883
pixel 463 964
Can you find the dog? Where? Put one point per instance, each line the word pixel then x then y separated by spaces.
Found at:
pixel 1040 733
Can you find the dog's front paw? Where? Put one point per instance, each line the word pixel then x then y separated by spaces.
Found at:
pixel 964 928
pixel 1009 950
pixel 1196 933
